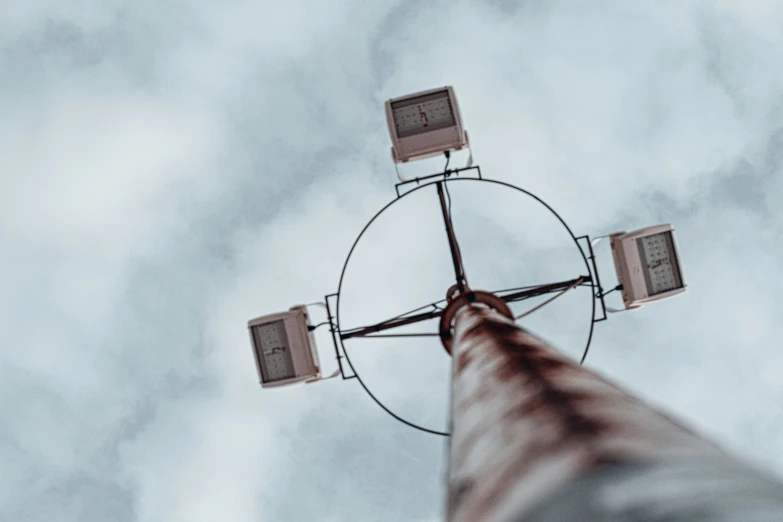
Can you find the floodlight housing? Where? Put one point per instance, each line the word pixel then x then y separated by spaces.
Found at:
pixel 648 265
pixel 425 124
pixel 284 348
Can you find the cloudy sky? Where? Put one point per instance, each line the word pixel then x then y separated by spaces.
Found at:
pixel 169 171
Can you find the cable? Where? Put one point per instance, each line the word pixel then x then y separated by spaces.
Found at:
pixel 448 159
pixel 310 328
pixel 322 304
pixel 451 222
pixel 550 300
pixel 434 305
pixel 448 203
pixel 538 294
pixel 514 289
pixel 378 336
pixel 604 294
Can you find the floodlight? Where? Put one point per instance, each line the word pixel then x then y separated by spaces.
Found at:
pixel 648 264
pixel 425 124
pixel 284 348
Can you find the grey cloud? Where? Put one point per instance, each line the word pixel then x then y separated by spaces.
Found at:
pixel 245 147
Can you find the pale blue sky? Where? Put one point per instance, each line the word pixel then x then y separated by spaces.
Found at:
pixel 169 170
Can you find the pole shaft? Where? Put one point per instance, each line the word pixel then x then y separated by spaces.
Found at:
pixel 536 437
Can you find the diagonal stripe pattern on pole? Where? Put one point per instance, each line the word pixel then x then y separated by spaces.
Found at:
pixel 537 437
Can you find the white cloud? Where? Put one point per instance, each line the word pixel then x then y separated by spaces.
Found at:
pixel 203 167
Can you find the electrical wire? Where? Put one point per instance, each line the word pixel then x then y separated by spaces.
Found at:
pixel 531 296
pixel 377 336
pixel 319 303
pixel 401 316
pixel 451 222
pixel 313 327
pixel 514 289
pixel 550 299
pixel 604 294
pixel 437 308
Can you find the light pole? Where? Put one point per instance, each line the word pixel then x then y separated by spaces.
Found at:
pixel 539 438
pixel 534 435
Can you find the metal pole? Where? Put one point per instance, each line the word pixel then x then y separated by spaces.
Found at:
pixel 456 257
pixel 536 437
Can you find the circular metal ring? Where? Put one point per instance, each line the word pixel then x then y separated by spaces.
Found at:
pixel 386 207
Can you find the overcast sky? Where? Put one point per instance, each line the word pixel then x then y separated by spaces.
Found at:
pixel 169 171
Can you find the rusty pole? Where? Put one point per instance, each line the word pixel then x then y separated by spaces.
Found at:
pixel 536 437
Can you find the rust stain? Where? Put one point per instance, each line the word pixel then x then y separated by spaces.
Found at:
pixel 520 409
pixel 462 360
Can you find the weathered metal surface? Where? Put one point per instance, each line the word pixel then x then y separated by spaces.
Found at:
pixel 530 425
pixel 457 303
